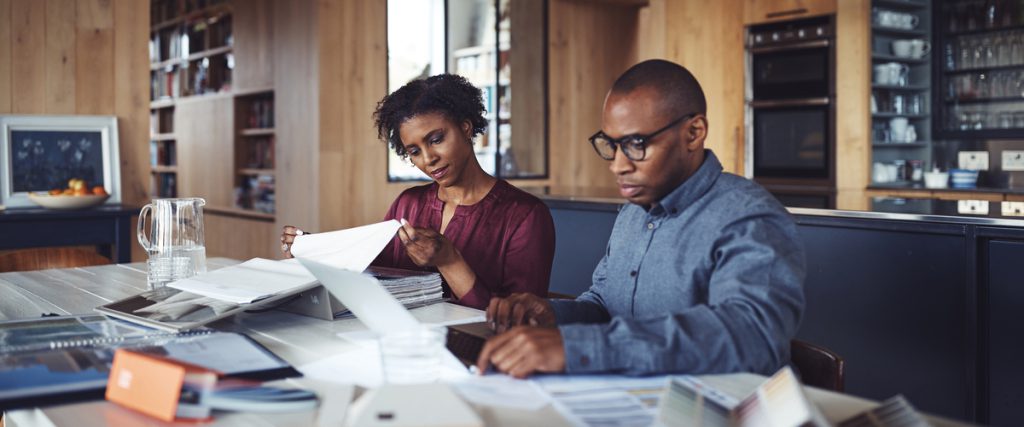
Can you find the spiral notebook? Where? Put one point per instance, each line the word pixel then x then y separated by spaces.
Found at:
pixel 67 358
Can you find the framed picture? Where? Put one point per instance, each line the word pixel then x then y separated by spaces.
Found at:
pixel 41 153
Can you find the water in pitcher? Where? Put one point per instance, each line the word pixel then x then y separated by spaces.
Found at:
pixel 178 263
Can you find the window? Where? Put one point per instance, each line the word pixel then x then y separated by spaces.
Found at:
pixel 487 42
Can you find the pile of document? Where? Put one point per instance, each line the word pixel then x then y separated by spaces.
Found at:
pixel 411 288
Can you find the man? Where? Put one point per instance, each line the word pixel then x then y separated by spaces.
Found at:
pixel 703 271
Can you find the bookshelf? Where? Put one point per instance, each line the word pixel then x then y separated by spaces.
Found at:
pixel 223 112
pixel 254 152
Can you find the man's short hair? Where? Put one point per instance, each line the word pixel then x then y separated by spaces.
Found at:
pixel 680 92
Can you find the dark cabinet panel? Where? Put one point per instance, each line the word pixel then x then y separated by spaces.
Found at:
pixel 894 304
pixel 1006 331
pixel 581 237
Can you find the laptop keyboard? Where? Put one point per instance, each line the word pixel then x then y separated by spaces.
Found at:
pixel 467 341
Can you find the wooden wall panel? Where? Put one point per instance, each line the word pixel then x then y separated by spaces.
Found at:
pixel 95 63
pixel 239 238
pixel 353 187
pixel 707 39
pixel 28 24
pixel 296 119
pixel 60 57
pixel 205 149
pixel 853 91
pixel 131 97
pixel 761 11
pixel 252 24
pixel 95 15
pixel 584 58
pixel 5 55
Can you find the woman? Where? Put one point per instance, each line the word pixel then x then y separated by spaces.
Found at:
pixel 486 237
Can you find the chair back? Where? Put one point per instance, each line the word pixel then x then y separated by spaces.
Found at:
pixel 818 366
pixel 44 258
pixel 556 295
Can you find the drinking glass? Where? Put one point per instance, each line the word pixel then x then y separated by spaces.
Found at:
pixel 175 242
pixel 414 356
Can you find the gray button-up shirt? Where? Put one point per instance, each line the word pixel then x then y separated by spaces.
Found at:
pixel 709 280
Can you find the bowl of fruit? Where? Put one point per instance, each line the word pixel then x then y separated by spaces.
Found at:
pixel 77 195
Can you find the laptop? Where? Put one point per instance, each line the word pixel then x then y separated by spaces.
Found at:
pixel 383 314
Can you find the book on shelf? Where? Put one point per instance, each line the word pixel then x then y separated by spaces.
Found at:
pixel 67 358
pixel 162 153
pixel 261 114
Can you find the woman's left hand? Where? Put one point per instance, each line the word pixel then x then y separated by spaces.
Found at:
pixel 426 247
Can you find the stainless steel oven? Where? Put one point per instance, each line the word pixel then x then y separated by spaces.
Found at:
pixel 791 110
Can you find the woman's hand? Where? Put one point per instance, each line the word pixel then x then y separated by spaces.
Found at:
pixel 426 247
pixel 288 235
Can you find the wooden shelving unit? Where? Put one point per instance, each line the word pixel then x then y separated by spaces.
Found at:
pixel 254 151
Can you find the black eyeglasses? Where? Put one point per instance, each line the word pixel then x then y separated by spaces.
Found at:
pixel 633 146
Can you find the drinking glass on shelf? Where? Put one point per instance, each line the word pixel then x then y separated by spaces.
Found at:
pixel 984 85
pixel 1005 119
pixel 964 53
pixel 1017 47
pixel 1002 51
pixel 988 53
pixel 1018 120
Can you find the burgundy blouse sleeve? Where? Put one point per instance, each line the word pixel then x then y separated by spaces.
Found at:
pixel 528 257
pixel 386 258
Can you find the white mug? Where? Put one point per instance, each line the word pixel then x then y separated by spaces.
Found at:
pixel 898 129
pixel 919 48
pixel 911 135
pixel 906 20
pixel 882 74
pixel 902 48
pixel 898 73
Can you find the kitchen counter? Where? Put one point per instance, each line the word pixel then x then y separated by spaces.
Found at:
pixel 976 212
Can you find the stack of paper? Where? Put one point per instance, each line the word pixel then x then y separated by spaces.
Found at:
pixel 411 288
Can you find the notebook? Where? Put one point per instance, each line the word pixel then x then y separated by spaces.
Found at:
pixel 67 358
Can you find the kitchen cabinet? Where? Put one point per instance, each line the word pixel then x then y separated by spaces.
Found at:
pixel 1006 327
pixel 761 11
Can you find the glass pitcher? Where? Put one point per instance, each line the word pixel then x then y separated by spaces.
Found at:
pixel 175 242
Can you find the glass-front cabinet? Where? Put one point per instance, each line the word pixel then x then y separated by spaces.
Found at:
pixel 981 75
pixel 498 45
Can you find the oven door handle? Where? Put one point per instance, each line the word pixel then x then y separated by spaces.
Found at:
pixel 795 46
pixel 803 102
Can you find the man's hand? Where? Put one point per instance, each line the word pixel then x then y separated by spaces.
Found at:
pixel 523 351
pixel 519 309
pixel 426 247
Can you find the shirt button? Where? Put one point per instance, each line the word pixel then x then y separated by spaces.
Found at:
pixel 632 273
pixel 584 361
pixel 650 225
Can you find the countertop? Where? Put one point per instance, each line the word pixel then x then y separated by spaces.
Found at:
pixel 978 212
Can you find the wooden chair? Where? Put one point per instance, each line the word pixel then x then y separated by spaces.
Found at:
pixel 43 258
pixel 818 366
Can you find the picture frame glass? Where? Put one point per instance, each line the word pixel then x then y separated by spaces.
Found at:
pixel 46 159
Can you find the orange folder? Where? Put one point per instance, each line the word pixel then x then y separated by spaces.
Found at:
pixel 152 384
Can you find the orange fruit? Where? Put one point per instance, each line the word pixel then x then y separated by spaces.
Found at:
pixel 56 192
pixel 80 191
pixel 68 192
pixel 99 190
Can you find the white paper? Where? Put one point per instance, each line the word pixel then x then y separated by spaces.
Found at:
pixel 351 249
pixel 362 366
pixel 606 400
pixel 249 281
pixel 364 296
pixel 502 390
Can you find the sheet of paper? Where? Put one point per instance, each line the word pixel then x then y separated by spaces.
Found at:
pixel 364 296
pixel 249 281
pixel 362 366
pixel 351 249
pixel 502 390
pixel 605 400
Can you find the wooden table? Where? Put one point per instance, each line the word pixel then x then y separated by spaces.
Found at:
pixel 108 227
pixel 297 339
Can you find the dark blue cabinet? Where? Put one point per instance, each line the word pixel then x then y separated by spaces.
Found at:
pixel 1005 271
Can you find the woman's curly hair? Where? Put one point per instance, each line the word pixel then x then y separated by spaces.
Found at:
pixel 448 94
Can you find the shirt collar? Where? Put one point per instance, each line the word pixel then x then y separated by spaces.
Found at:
pixel 692 189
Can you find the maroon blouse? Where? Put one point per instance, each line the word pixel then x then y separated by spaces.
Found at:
pixel 507 238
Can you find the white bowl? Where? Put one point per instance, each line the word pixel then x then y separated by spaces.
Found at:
pixel 68 202
pixel 936 179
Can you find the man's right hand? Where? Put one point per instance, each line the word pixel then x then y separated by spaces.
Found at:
pixel 520 309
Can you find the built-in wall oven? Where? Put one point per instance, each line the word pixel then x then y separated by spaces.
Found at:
pixel 791 110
